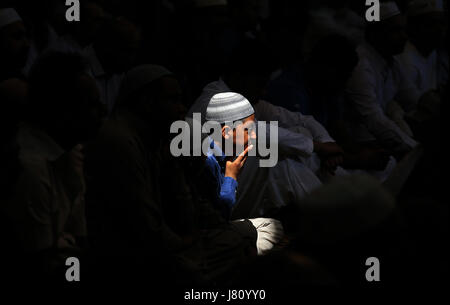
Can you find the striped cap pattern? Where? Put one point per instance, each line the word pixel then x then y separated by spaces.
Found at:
pixel 228 107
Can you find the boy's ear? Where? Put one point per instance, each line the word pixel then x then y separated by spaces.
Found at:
pixel 226 132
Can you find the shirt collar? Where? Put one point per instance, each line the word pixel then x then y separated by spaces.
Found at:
pixel 215 150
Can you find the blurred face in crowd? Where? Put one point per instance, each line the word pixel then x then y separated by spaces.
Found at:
pixel 394 35
pixel 86 116
pixel 126 53
pixel 251 86
pixel 88 27
pixel 119 50
pixel 14 45
pixel 170 99
pixel 92 16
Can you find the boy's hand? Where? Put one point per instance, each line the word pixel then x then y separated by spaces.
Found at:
pixel 233 168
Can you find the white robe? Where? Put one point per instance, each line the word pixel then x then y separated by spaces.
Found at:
pixel 375 83
pixel 422 70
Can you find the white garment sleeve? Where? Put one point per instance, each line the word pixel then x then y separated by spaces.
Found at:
pixel 408 93
pixel 361 92
pixel 270 233
pixel 265 111
pixel 292 143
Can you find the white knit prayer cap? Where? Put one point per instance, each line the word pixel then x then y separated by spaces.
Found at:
pixel 8 16
pixel 228 107
pixel 388 10
pixel 422 7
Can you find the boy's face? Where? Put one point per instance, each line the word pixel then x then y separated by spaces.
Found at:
pixel 242 134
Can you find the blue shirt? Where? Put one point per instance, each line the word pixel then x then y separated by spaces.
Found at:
pixel 225 187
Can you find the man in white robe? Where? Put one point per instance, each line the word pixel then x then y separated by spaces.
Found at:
pixel 377 80
pixel 426 32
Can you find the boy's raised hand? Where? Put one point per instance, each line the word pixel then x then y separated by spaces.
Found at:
pixel 233 168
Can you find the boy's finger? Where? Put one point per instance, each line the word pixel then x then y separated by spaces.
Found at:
pixel 244 153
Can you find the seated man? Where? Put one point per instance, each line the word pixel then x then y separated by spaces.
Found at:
pixel 47 209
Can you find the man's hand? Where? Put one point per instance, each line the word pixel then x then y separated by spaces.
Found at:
pixel 330 154
pixel 233 168
pixel 330 164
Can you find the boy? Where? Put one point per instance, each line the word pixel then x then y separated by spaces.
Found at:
pixel 236 116
pixel 225 109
